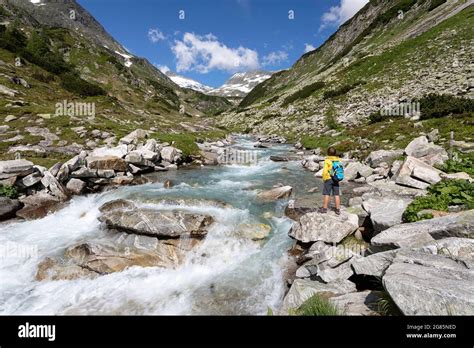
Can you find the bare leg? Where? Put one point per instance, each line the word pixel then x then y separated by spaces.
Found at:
pixel 338 202
pixel 325 202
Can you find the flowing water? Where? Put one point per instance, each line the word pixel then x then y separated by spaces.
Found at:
pixel 226 274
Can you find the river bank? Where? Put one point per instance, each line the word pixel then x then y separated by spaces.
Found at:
pixel 102 253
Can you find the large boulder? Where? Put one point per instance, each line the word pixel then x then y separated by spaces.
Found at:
pixel 376 264
pixel 420 232
pixel 134 137
pixel 428 152
pixel 170 154
pixel 90 260
pixel 29 180
pixel 54 186
pixel 417 174
pixel 117 151
pixel 19 167
pixel 275 194
pixel 126 216
pixel 302 289
pixel 424 284
pixel 76 186
pixel 107 162
pixel 328 228
pixel 8 208
pixel 385 212
pixel 383 156
pixel 38 205
pixel 355 170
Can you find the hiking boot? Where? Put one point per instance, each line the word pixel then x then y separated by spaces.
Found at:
pixel 322 210
pixel 338 211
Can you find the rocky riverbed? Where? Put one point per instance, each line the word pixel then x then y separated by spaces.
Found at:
pixel 229 238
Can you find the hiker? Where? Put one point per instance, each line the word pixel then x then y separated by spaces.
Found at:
pixel 333 173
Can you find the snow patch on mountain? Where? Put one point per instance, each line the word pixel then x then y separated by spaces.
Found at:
pixel 186 82
pixel 240 84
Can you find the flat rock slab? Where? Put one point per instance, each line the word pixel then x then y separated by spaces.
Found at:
pixel 126 216
pixel 107 162
pixel 420 232
pixel 15 166
pixel 385 212
pixel 329 228
pixel 424 284
pixel 376 264
pixel 302 289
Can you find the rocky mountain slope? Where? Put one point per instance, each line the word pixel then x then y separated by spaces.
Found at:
pixel 240 84
pixel 389 52
pixel 55 65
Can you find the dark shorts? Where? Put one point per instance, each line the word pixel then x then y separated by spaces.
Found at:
pixel 331 186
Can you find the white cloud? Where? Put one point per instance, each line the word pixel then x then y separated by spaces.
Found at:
pixel 205 53
pixel 163 68
pixel 275 58
pixel 308 47
pixel 155 35
pixel 339 14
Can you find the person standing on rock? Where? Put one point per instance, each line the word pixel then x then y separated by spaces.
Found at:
pixel 333 173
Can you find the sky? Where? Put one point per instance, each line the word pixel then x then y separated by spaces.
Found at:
pixel 210 40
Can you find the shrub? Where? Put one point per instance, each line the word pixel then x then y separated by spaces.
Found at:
pixel 375 117
pixel 435 106
pixel 440 197
pixel 317 306
pixel 46 78
pixel 304 92
pixel 459 164
pixel 8 191
pixel 74 84
pixel 114 61
pixel 330 119
pixel 256 93
pixel 331 94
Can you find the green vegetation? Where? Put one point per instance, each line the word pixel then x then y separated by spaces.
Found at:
pixel 440 196
pixel 255 94
pixel 435 105
pixel 375 117
pixel 8 191
pixel 186 142
pixel 115 62
pixel 303 93
pixel 382 20
pixel 331 94
pixel 435 3
pixel 330 119
pixel 317 305
pixel 386 306
pixel 37 50
pixel 459 163
pixel 72 82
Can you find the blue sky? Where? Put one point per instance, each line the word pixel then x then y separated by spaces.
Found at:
pixel 217 38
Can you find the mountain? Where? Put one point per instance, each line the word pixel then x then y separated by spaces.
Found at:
pixel 53 52
pixel 240 84
pixel 186 82
pixel 391 50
